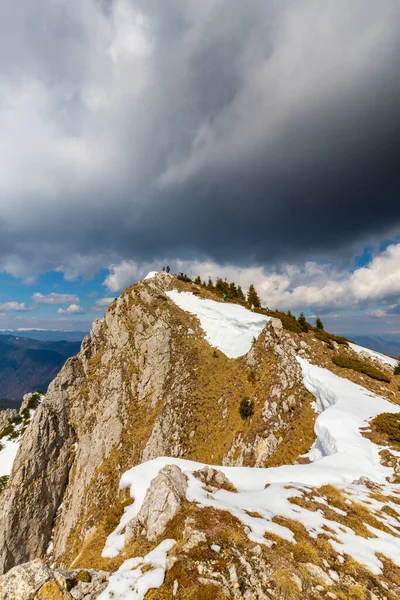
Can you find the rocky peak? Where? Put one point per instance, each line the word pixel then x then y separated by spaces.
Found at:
pixel 147 384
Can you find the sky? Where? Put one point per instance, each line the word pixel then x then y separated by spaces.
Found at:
pixel 257 141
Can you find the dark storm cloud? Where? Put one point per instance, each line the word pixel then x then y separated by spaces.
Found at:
pixel 245 132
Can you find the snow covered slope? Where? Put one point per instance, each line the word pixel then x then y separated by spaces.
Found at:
pixel 10 443
pixel 376 355
pixel 228 327
pixel 340 456
pixel 7 455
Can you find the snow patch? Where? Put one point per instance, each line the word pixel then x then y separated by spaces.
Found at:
pixel 9 446
pixel 7 455
pixel 387 360
pixel 150 275
pixel 228 327
pixel 131 583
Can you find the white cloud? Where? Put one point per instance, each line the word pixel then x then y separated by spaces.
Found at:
pixel 380 279
pixel 379 313
pixel 15 306
pixel 104 301
pixel 311 285
pixel 55 298
pixel 73 309
pixel 122 275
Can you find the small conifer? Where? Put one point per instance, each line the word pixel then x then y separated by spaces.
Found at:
pixel 319 324
pixel 302 322
pixel 252 297
pixel 233 293
pixel 240 294
pixel 246 408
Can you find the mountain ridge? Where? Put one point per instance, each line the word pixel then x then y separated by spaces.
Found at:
pixel 148 386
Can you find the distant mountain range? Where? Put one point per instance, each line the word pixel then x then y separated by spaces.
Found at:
pixel 27 364
pixel 46 335
pixel 385 344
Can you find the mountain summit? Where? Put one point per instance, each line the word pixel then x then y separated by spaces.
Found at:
pixel 194 449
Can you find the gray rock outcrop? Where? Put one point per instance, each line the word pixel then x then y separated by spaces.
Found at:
pixel 29 503
pixel 24 581
pixel 35 581
pixel 162 502
pixel 6 417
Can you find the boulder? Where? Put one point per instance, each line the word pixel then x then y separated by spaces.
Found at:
pixel 318 573
pixel 24 581
pixel 6 417
pixel 214 479
pixel 162 502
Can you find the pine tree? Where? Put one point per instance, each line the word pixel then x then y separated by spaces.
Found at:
pixel 302 322
pixel 240 294
pixel 204 284
pixel 319 324
pixel 219 286
pixel 198 280
pixel 225 287
pixel 167 268
pixel 252 297
pixel 233 293
pixel 210 284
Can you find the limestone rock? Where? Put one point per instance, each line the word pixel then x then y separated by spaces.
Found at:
pixel 318 573
pixel 162 502
pixel 214 479
pixel 265 448
pixel 192 536
pixel 6 417
pixel 25 401
pixel 24 581
pixel 52 591
pixel 29 503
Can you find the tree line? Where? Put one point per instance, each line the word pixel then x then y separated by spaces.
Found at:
pixel 234 293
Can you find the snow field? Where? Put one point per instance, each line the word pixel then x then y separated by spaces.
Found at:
pixel 388 360
pixel 228 327
pixel 340 456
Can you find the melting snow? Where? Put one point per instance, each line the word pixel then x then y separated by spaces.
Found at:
pixel 388 360
pixel 228 327
pixel 340 456
pixel 131 583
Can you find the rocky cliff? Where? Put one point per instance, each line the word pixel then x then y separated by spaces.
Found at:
pixel 147 384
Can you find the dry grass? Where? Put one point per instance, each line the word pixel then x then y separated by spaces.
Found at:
pixel 284 584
